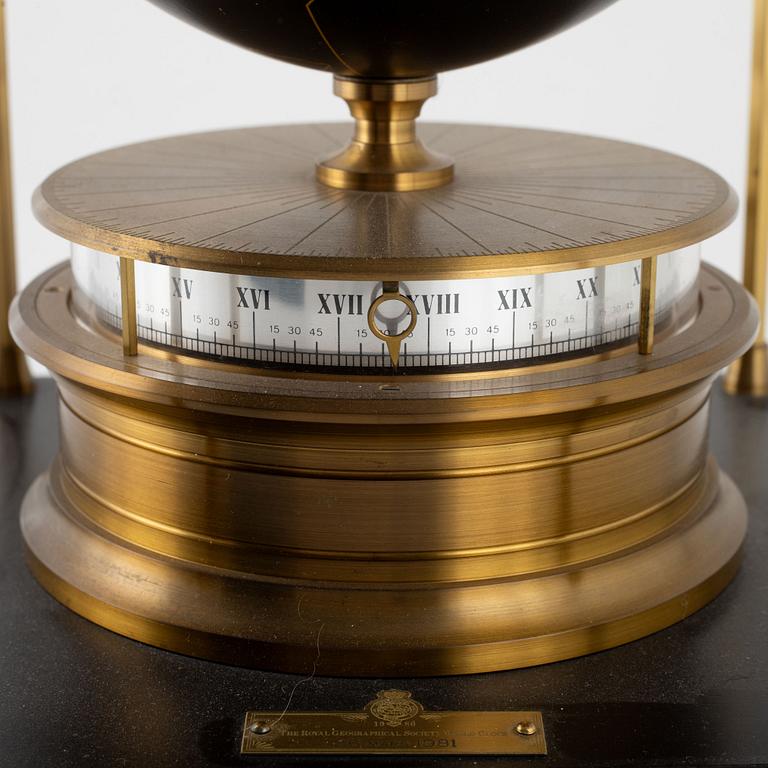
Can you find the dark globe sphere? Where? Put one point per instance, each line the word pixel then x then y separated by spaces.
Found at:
pixel 376 39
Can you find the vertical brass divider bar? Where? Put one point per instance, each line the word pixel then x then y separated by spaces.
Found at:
pixel 647 305
pixel 128 306
pixel 14 375
pixel 749 374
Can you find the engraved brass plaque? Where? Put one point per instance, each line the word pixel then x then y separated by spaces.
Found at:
pixel 394 723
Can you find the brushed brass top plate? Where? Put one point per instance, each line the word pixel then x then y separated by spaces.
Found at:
pixel 394 723
pixel 247 201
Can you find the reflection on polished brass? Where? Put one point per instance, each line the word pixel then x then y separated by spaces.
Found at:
pixel 14 376
pixel 256 209
pixel 385 153
pixel 445 525
pixel 749 374
pixel 392 724
pixel 647 305
pixel 128 307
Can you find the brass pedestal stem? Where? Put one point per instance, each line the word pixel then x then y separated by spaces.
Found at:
pixel 385 153
pixel 14 376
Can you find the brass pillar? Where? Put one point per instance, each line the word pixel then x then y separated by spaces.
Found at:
pixel 749 374
pixel 14 376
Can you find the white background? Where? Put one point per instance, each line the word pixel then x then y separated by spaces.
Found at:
pixel 90 74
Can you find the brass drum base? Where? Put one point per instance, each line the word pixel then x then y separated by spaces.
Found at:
pixel 398 526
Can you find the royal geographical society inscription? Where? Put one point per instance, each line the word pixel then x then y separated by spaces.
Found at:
pixel 394 723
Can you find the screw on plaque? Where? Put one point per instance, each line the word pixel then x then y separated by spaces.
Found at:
pixel 260 729
pixel 526 728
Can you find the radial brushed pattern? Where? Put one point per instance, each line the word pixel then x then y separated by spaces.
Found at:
pixel 253 191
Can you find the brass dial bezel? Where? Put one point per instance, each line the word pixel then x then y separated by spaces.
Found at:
pixel 369 248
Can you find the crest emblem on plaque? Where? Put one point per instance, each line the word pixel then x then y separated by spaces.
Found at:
pixel 394 707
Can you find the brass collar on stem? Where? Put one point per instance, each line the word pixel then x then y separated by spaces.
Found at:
pixel 385 153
